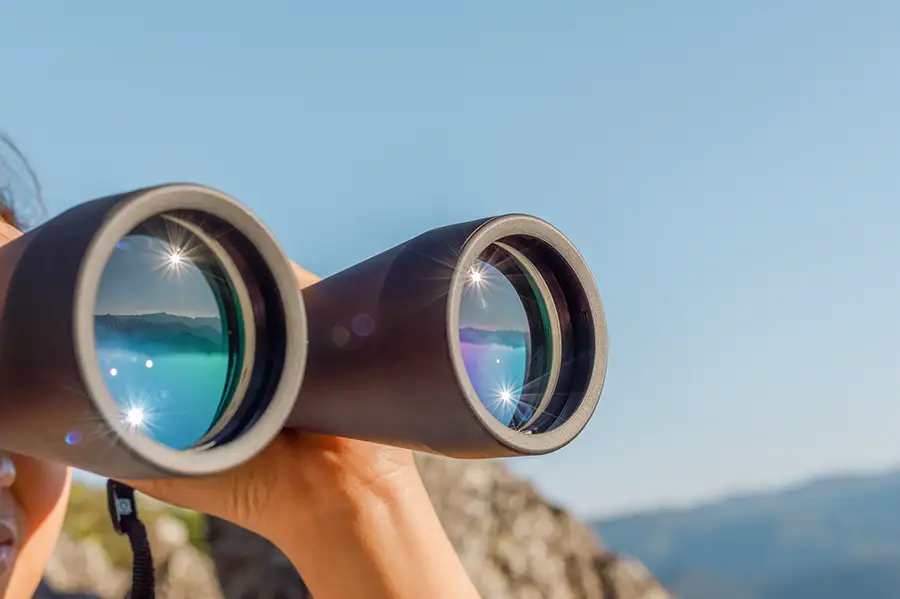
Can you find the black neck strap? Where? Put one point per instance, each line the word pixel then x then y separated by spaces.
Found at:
pixel 124 514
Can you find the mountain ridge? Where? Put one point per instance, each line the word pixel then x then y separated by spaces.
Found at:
pixel 750 493
pixel 160 332
pixel 774 543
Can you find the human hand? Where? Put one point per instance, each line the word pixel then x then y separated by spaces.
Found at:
pixel 301 479
pixel 33 499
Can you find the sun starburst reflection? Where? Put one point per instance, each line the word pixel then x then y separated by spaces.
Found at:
pixel 506 399
pixel 135 417
pixel 179 249
pixel 479 283
pixel 174 259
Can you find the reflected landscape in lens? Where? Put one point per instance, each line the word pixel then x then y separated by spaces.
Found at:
pixel 504 357
pixel 161 341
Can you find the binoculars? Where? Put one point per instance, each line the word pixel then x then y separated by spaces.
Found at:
pixel 162 333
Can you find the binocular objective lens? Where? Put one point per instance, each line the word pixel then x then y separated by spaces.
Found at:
pixel 506 336
pixel 168 333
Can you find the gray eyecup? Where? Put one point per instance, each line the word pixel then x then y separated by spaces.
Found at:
pixel 385 363
pixel 48 367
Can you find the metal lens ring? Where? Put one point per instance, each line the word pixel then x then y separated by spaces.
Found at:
pixel 526 331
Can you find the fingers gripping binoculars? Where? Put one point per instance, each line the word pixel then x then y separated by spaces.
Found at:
pixel 162 333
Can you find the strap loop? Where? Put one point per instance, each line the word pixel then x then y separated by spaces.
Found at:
pixel 124 514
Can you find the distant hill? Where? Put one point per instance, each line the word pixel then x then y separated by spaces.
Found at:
pixel 836 537
pixel 507 338
pixel 160 332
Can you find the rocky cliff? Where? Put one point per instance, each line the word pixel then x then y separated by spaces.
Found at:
pixel 514 544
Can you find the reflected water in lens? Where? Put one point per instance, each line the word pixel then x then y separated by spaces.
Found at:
pixel 162 335
pixel 504 337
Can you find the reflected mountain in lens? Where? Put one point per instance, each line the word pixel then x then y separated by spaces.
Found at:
pixel 506 338
pixel 161 332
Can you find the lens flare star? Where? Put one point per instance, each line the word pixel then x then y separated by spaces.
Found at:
pixel 178 249
pixel 175 260
pixel 478 282
pixel 134 418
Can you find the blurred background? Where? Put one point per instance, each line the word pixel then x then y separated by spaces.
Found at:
pixel 729 171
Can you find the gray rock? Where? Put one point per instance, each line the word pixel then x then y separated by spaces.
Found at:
pixel 84 568
pixel 189 574
pixel 44 591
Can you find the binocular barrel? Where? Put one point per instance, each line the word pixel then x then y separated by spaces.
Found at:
pixel 162 333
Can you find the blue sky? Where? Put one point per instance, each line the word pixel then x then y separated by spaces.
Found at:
pixel 729 170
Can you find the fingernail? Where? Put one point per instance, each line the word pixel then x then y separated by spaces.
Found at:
pixel 6 555
pixel 7 472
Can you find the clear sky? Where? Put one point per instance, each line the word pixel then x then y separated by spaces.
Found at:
pixel 730 170
pixel 139 277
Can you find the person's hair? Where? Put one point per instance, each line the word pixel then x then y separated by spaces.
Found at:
pixel 14 199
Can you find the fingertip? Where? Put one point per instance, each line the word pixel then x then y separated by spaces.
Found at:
pixel 304 277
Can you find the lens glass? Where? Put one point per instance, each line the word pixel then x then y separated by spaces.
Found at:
pixel 165 333
pixel 505 337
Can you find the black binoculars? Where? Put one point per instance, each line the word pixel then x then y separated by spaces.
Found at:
pixel 162 333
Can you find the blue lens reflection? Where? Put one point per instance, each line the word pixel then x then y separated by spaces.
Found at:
pixel 498 344
pixel 161 342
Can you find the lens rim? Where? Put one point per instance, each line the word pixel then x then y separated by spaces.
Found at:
pixel 138 208
pixel 491 232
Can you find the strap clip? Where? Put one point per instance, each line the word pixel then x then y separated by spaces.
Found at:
pixel 122 504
